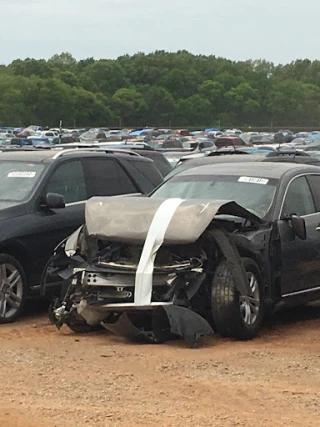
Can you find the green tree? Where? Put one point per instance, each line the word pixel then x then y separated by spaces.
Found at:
pixel 105 76
pixel 30 67
pixel 64 61
pixel 130 107
pixel 159 88
pixel 243 102
pixel 194 110
pixel 160 105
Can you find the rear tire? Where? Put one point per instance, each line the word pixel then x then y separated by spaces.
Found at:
pixel 233 315
pixel 13 289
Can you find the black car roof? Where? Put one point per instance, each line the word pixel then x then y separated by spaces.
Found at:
pixel 47 156
pixel 225 158
pixel 260 169
pixel 28 155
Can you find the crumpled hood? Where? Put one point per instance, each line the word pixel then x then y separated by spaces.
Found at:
pixel 128 219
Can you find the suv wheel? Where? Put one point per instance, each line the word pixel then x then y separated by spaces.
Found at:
pixel 235 315
pixel 12 288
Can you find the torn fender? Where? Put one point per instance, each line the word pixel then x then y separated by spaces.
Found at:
pixel 231 254
pixel 128 219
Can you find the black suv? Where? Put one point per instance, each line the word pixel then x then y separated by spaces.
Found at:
pixel 42 200
pixel 161 163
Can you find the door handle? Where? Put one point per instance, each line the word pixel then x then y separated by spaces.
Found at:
pixel 318 228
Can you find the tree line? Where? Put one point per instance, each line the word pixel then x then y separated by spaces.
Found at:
pixel 159 89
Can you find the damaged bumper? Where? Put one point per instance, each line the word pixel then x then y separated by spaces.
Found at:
pixel 168 322
pixel 106 295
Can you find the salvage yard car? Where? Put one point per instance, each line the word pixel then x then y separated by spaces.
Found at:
pixel 42 199
pixel 212 249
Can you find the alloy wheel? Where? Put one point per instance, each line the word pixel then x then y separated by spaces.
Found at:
pixel 11 290
pixel 250 305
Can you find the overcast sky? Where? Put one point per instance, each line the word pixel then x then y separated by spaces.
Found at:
pixel 276 30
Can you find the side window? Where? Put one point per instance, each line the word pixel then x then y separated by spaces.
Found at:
pixel 145 174
pixel 160 162
pixel 314 181
pixel 68 180
pixel 298 199
pixel 106 177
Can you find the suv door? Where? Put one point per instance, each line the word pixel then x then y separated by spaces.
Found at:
pixel 54 225
pixel 300 258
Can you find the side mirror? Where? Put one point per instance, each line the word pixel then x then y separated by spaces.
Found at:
pixel 299 227
pixel 54 201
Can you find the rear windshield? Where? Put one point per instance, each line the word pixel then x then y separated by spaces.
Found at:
pixel 17 179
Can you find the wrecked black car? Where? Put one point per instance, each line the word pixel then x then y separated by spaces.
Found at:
pixel 212 249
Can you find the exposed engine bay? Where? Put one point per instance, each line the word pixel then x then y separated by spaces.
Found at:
pixel 132 269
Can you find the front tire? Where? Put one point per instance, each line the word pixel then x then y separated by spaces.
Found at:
pixel 13 289
pixel 235 315
pixel 79 325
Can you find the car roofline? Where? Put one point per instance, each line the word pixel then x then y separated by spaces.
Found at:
pixel 254 168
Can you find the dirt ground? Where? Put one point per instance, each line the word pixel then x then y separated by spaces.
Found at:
pixel 50 378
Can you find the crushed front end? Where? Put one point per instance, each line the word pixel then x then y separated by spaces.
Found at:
pixel 144 278
pixel 107 291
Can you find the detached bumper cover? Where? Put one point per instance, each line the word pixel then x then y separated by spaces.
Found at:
pixel 167 322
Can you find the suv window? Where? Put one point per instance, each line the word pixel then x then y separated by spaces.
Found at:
pixel 314 181
pixel 299 200
pixel 105 177
pixel 145 174
pixel 160 162
pixel 68 179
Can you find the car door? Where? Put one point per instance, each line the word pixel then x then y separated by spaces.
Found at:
pixel 300 258
pixel 54 225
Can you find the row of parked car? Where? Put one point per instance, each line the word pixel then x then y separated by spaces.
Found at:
pixel 214 244
pixel 157 135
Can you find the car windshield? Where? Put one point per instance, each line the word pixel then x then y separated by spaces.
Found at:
pixel 17 179
pixel 252 193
